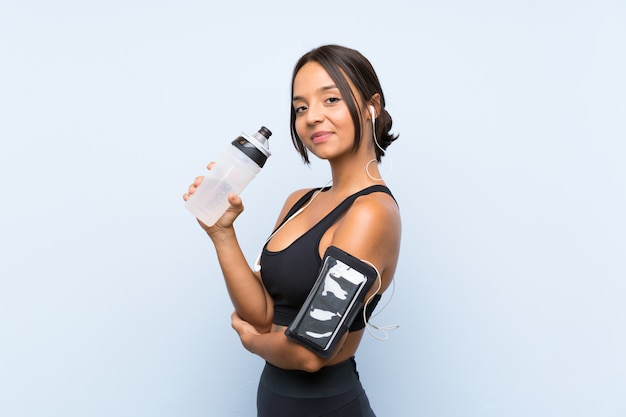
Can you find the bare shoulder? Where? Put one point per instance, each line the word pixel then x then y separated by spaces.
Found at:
pixel 293 198
pixel 372 223
pixel 373 209
pixel 296 195
pixel 290 201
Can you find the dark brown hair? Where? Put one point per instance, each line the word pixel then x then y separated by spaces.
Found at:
pixel 337 61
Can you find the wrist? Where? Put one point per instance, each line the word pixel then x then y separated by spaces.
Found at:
pixel 221 234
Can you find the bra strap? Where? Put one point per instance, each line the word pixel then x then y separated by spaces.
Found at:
pixel 331 217
pixel 337 211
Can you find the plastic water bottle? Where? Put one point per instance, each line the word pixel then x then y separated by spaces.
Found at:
pixel 232 171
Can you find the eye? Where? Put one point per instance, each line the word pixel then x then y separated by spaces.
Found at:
pixel 333 100
pixel 300 109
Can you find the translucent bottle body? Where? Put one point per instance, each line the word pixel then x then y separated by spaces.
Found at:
pixel 230 174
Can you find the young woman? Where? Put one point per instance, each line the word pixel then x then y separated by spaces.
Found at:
pixel 337 114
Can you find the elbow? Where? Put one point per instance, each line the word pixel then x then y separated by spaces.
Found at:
pixel 263 325
pixel 309 361
pixel 312 363
pixel 311 367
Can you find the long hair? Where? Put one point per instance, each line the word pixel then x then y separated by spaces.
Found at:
pixel 343 64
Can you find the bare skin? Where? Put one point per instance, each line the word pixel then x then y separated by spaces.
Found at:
pixel 369 230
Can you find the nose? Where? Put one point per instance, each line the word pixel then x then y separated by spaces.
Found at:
pixel 315 113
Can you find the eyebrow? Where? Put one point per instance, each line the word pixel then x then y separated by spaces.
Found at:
pixel 321 89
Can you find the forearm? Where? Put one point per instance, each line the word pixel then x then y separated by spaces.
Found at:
pixel 245 289
pixel 282 352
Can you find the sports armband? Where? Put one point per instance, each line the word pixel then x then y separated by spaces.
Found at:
pixel 336 297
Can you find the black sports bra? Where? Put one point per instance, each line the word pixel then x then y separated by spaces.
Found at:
pixel 289 274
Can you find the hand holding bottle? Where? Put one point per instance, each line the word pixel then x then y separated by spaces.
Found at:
pixel 232 172
pixel 232 212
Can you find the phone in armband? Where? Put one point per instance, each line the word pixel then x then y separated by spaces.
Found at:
pixel 336 297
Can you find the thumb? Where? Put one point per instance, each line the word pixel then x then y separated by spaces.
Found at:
pixel 235 201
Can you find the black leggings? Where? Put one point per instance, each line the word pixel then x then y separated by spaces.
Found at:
pixel 333 391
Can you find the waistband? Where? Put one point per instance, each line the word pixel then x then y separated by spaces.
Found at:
pixel 327 382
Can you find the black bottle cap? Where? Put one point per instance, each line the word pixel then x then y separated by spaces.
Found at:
pixel 251 150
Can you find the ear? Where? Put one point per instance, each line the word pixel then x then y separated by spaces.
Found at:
pixel 374 102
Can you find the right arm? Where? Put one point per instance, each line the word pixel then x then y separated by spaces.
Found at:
pixel 245 288
pixel 246 291
pixel 251 300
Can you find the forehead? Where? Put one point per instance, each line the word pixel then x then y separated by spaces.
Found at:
pixel 311 77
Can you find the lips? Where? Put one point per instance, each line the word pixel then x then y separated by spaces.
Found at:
pixel 321 136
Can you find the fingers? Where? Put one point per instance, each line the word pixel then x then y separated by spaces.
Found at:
pixel 236 205
pixel 196 183
pixel 235 321
pixel 192 188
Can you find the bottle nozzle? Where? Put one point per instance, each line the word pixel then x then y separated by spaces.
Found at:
pixel 265 132
pixel 263 135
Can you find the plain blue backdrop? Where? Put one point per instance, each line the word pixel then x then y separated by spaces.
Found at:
pixel 509 172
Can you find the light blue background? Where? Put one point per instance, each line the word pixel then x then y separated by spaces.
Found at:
pixel 509 172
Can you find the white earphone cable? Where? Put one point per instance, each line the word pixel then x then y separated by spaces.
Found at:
pixel 367 170
pixel 384 329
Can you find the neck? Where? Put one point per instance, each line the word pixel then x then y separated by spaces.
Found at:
pixel 354 174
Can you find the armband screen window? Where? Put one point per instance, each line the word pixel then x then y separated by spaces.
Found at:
pixel 335 299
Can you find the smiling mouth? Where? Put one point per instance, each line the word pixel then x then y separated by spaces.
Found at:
pixel 319 137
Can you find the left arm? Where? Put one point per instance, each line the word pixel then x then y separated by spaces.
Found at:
pixel 378 244
pixel 276 348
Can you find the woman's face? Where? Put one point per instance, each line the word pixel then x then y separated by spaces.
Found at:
pixel 323 121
